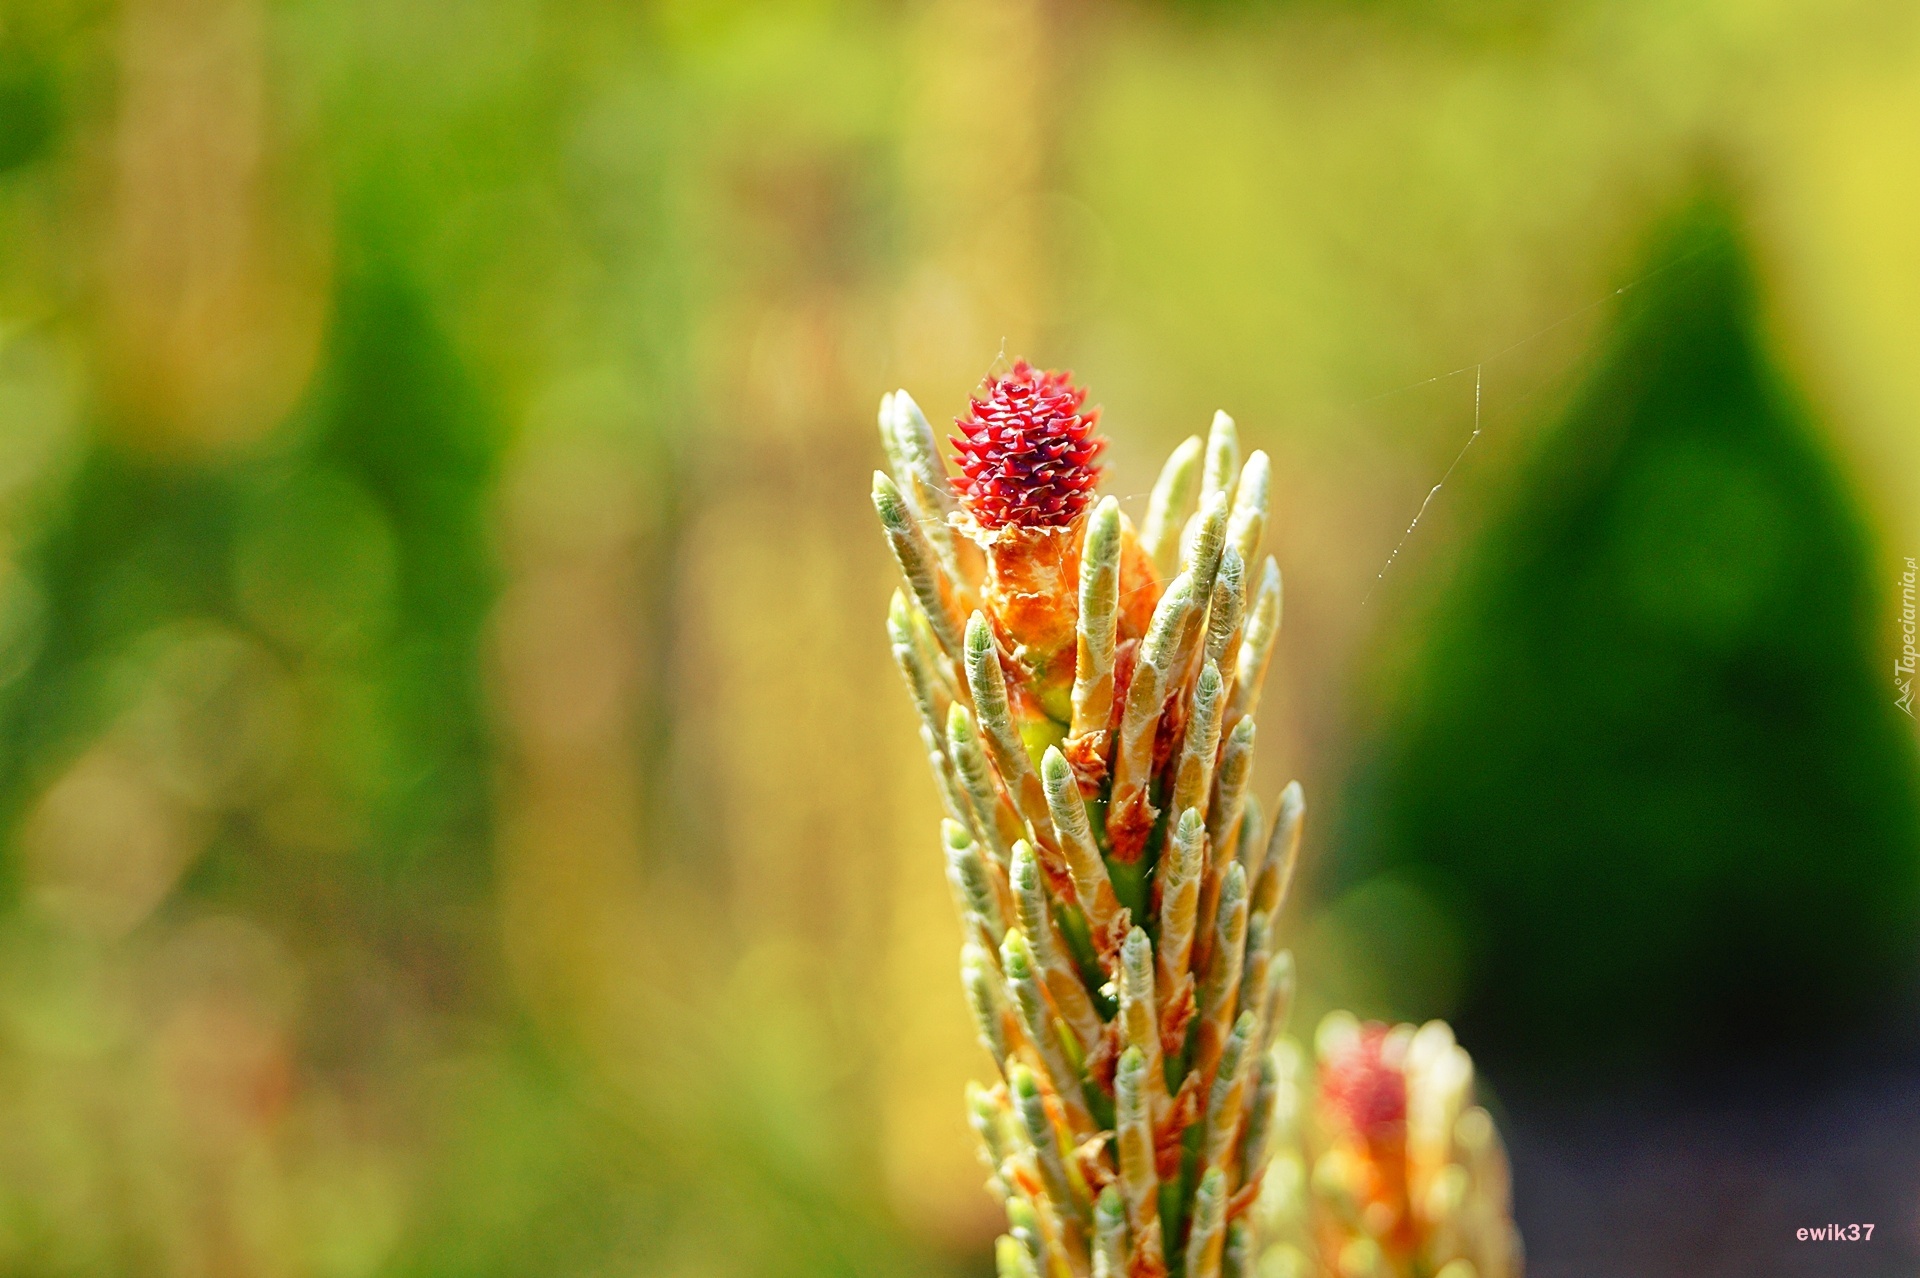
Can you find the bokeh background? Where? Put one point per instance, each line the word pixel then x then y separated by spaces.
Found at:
pixel 457 815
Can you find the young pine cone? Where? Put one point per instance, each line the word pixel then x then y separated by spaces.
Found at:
pixel 1086 694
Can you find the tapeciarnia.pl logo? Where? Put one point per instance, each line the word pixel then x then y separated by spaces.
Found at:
pixel 1903 664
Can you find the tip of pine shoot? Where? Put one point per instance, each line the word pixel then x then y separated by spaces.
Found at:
pixel 1293 801
pixel 886 497
pixel 1233 886
pixel 1016 955
pixel 979 635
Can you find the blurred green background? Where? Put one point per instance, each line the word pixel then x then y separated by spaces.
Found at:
pixel 457 815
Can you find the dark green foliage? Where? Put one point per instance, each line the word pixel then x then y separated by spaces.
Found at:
pixel 1649 745
pixel 29 104
pixel 398 414
pixel 355 552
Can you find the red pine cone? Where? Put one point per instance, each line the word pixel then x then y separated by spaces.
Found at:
pixel 1026 451
pixel 1367 1091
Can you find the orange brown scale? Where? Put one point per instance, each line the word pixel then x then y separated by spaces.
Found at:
pixel 1030 593
pixel 1244 1198
pixel 1140 585
pixel 1176 1014
pixel 1129 825
pixel 1182 1112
